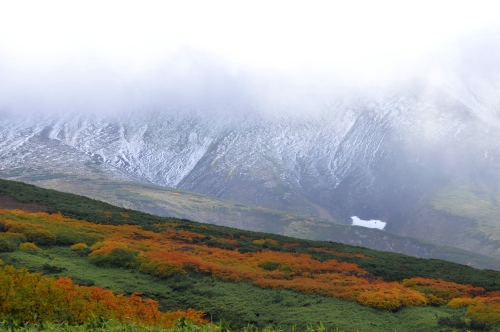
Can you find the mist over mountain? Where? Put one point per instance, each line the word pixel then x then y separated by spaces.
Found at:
pixel 416 148
pixel 470 72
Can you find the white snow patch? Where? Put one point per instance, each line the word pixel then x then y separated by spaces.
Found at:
pixel 368 223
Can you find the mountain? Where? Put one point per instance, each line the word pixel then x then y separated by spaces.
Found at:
pixel 421 155
pixel 383 157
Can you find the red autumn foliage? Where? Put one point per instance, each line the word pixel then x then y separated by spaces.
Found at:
pixel 440 291
pixel 174 251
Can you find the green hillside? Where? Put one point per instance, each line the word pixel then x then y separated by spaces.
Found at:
pixel 237 276
pixel 475 201
pixel 162 201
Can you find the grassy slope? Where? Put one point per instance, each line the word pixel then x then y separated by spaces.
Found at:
pixel 182 204
pixel 239 303
pixel 475 201
pixel 242 303
pixel 391 266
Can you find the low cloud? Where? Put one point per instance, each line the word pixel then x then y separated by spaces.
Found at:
pixel 191 79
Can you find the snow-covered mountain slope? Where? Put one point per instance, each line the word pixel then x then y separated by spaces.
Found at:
pixel 378 157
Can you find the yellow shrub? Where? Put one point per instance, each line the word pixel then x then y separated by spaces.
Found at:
pixel 485 310
pixel 391 298
pixel 102 244
pixel 28 246
pixel 461 302
pixel 79 247
pixel 263 241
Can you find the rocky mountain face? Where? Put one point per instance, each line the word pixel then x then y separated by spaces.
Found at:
pixel 378 156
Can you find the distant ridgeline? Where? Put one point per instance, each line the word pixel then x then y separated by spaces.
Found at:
pixel 110 237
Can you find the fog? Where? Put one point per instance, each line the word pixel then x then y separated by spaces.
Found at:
pixel 112 57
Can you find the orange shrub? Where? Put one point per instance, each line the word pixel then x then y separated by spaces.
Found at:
pixel 439 291
pixel 31 296
pixel 341 254
pixel 485 309
pixel 391 297
pixel 460 302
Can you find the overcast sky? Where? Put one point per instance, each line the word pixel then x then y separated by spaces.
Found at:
pixel 84 54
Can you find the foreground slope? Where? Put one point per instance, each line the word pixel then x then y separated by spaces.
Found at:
pixel 232 273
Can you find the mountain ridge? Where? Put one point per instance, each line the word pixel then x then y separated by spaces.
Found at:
pixel 377 157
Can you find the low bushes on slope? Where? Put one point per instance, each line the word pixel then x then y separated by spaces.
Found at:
pixel 386 265
pixel 173 251
pixel 29 297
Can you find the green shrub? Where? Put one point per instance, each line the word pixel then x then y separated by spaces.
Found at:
pixel 67 238
pixel 18 236
pixel 270 266
pixel 10 241
pixel 119 257
pixel 70 237
pixel 41 237
pixel 8 244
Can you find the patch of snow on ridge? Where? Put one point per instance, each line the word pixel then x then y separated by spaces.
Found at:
pixel 368 223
